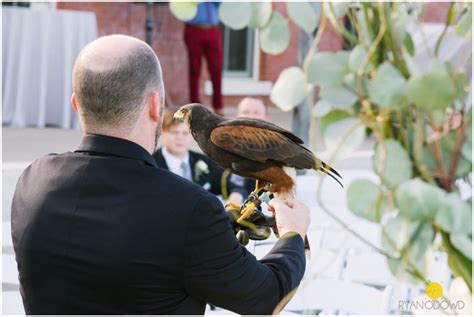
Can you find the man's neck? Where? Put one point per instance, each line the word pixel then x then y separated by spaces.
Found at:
pixel 145 143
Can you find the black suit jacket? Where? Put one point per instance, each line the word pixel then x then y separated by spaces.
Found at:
pixel 103 230
pixel 213 178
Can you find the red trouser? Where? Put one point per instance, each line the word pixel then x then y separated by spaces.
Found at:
pixel 207 41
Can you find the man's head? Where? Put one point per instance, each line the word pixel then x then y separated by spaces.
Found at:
pixel 176 137
pixel 253 108
pixel 118 89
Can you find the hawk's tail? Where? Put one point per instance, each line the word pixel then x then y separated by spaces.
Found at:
pixel 326 169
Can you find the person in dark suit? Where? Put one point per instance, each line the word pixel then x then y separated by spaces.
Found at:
pixel 176 157
pixel 103 230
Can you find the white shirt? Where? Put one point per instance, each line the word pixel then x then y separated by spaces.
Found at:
pixel 175 163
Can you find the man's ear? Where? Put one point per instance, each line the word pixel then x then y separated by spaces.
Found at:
pixel 73 103
pixel 154 106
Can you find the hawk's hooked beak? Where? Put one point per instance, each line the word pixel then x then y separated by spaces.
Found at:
pixel 180 115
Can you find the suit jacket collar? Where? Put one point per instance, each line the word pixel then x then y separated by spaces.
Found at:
pixel 160 159
pixel 192 163
pixel 94 143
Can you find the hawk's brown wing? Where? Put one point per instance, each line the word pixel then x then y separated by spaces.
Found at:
pixel 260 144
pixel 261 124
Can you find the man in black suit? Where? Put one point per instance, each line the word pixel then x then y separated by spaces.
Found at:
pixel 102 230
pixel 176 157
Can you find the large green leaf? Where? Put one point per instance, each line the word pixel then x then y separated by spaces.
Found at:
pixel 338 96
pixel 464 26
pixel 418 200
pixel 321 108
pixel 431 91
pixel 459 264
pixel 289 89
pixel 235 15
pixel 396 233
pixel 388 87
pixel 463 243
pixel 408 43
pixel 261 13
pixel 366 199
pixel 331 117
pixel 357 58
pixel 461 83
pixel 349 129
pixel 418 257
pixel 328 69
pixel 437 65
pixel 183 10
pixel 396 167
pixel 339 8
pixel 410 243
pixel 454 215
pixel 303 15
pixel 275 35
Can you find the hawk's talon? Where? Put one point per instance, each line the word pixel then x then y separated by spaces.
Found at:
pixel 249 217
pixel 231 205
pixel 247 210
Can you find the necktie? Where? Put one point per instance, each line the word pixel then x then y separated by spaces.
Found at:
pixel 185 171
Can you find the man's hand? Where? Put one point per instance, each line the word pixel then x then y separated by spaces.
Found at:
pixel 291 216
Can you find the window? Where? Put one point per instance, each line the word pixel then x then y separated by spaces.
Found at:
pixel 238 52
pixel 241 69
pixel 31 5
pixel 16 4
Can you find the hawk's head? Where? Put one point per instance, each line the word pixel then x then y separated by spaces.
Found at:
pixel 193 110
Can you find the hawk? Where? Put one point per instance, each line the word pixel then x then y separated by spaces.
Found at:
pixel 252 148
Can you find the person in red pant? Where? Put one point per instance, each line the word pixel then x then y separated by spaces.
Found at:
pixel 202 36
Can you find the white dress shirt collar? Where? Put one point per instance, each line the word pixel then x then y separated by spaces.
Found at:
pixel 174 162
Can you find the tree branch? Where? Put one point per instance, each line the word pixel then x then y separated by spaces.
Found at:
pixel 446 26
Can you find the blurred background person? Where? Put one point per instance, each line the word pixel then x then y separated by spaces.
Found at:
pixel 202 36
pixel 175 155
pixel 253 108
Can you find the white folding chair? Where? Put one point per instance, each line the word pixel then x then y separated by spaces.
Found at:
pixel 341 296
pixel 9 269
pixel 336 238
pixel 12 303
pixel 372 269
pixel 439 270
pixel 368 268
pixel 10 175
pixel 6 234
pixel 325 264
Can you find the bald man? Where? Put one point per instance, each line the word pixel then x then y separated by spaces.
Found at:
pixel 103 230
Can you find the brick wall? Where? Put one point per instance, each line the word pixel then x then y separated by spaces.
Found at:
pixel 436 12
pixel 129 18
